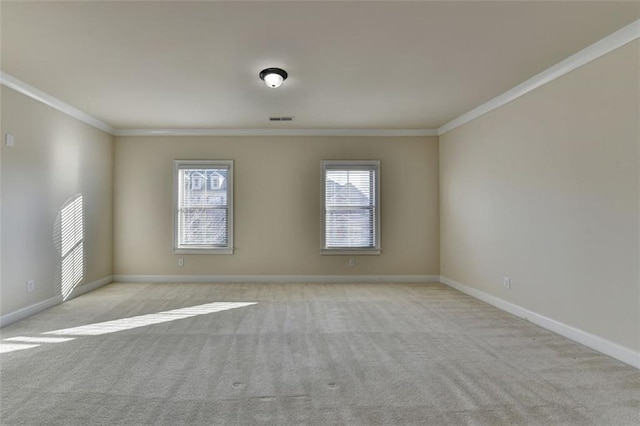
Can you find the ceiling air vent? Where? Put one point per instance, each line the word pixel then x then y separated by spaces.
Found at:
pixel 281 118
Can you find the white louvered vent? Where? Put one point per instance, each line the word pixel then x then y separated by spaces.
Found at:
pixel 281 118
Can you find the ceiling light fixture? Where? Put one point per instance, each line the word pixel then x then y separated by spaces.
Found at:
pixel 273 77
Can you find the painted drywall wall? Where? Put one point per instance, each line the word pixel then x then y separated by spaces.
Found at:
pixel 277 205
pixel 55 157
pixel 545 190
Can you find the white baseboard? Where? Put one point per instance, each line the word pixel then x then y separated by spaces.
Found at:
pixel 592 341
pixel 23 313
pixel 80 290
pixel 276 278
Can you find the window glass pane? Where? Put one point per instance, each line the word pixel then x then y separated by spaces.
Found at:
pixel 203 187
pixel 351 228
pixel 349 188
pixel 203 226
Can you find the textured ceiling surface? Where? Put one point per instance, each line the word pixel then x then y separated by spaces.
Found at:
pixel 394 65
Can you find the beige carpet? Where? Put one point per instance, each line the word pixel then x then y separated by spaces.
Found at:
pixel 288 354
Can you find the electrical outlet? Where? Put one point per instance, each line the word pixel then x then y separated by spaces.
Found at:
pixel 180 261
pixel 352 263
pixel 506 283
pixel 31 285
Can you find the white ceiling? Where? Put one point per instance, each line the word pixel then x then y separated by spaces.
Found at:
pixel 366 65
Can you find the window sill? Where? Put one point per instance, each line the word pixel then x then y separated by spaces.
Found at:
pixel 203 251
pixel 348 252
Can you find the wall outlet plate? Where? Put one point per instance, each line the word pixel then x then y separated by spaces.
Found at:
pixel 31 285
pixel 506 282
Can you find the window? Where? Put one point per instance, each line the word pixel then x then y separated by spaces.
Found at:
pixel 203 207
pixel 351 207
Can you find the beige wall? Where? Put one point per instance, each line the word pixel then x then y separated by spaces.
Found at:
pixel 277 205
pixel 546 190
pixel 54 158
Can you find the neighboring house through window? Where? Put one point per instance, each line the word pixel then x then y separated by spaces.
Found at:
pixel 351 207
pixel 203 206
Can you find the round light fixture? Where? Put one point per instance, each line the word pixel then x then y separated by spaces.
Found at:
pixel 273 77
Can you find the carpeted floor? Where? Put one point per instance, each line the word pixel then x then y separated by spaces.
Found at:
pixel 288 354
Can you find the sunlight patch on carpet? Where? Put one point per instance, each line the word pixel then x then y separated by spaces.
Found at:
pixel 17 343
pixel 149 319
pixel 11 347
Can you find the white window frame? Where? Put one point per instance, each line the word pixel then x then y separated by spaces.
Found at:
pixel 350 165
pixel 202 164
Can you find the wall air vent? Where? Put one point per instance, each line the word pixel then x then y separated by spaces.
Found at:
pixel 281 118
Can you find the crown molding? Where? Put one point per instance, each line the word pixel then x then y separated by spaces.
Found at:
pixel 55 103
pixel 586 55
pixel 276 132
